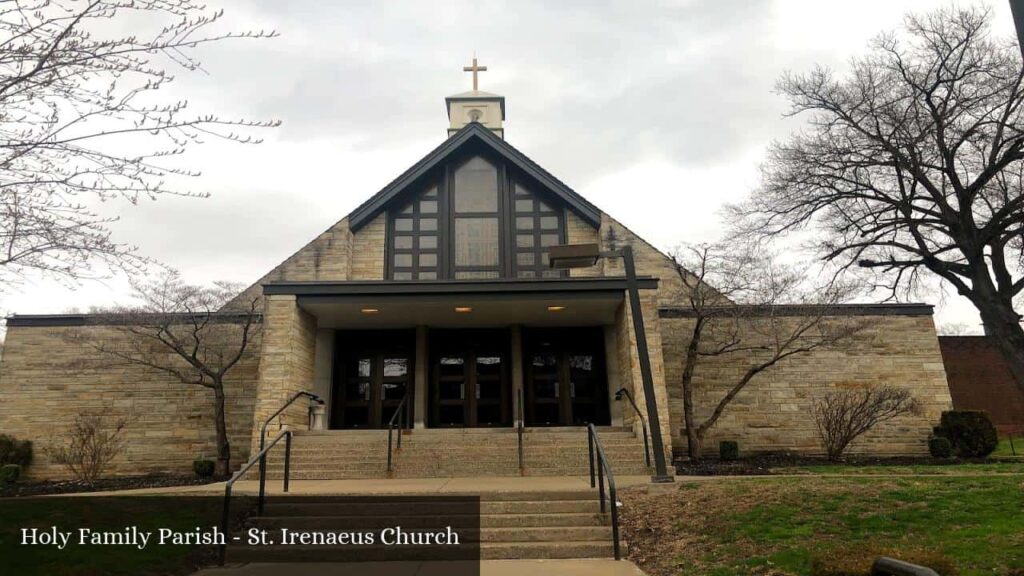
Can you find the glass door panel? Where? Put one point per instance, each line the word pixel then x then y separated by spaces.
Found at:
pixel 451 391
pixel 566 383
pixel 372 376
pixel 470 385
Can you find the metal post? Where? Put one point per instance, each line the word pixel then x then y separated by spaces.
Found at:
pixel 225 516
pixel 600 479
pixel 1017 9
pixel 287 458
pixel 590 452
pixel 263 484
pixel 660 470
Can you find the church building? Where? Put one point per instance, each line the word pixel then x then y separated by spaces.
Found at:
pixel 437 294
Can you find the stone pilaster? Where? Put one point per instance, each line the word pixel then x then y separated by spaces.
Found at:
pixel 629 367
pixel 287 364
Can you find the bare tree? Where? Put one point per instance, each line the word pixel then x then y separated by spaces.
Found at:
pixel 954 329
pixel 843 415
pixel 760 311
pixel 82 122
pixel 911 166
pixel 184 331
pixel 92 445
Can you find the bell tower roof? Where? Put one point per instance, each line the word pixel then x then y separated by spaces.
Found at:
pixel 476 105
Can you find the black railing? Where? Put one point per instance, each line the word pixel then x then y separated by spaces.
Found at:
pixel 402 417
pixel 643 422
pixel 604 474
pixel 520 424
pixel 263 429
pixel 262 459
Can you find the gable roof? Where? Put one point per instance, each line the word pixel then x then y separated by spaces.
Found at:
pixel 473 132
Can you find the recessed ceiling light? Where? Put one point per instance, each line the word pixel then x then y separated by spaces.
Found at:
pixel 369 310
pixel 556 308
pixel 463 309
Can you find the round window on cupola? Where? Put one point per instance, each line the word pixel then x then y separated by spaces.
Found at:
pixel 475 114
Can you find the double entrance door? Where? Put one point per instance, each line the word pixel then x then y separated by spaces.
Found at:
pixel 566 382
pixel 469 377
pixel 373 373
pixel 470 381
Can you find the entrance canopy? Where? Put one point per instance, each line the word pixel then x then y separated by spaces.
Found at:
pixel 460 303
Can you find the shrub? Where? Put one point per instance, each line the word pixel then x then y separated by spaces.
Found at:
pixel 970 432
pixel 203 468
pixel 842 415
pixel 14 451
pixel 92 444
pixel 940 447
pixel 858 561
pixel 728 450
pixel 9 473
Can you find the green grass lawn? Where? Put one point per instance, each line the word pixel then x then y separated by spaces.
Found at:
pixel 1004 449
pixel 779 526
pixel 102 513
pixel 952 468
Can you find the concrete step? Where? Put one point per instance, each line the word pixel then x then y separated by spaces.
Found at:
pixel 389 508
pixel 539 430
pixel 488 551
pixel 560 520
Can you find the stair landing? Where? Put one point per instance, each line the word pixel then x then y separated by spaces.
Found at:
pixel 455 453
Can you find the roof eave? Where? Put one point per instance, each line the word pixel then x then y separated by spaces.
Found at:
pixel 369 209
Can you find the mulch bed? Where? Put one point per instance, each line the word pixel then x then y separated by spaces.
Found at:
pixel 775 464
pixel 30 488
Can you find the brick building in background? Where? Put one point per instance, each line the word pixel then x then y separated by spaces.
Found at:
pixel 980 380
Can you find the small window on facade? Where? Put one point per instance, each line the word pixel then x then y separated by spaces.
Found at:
pixel 414 230
pixel 538 226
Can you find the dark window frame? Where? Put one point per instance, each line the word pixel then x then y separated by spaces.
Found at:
pixel 508 267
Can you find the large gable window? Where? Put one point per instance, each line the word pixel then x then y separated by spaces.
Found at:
pixel 477 235
pixel 476 221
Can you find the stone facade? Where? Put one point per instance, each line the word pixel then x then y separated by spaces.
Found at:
pixel 41 390
pixel 47 379
pixel 773 413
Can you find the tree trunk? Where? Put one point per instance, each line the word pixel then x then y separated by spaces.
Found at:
pixel 690 363
pixel 1003 323
pixel 223 466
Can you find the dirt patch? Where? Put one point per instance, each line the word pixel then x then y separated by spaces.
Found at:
pixel 103 485
pixel 690 531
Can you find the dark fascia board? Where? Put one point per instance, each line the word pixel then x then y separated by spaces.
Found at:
pixel 803 310
pixel 64 320
pixel 473 132
pixel 448 102
pixel 456 287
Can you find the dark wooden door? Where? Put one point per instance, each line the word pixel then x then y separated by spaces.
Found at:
pixel 470 379
pixel 373 373
pixel 566 382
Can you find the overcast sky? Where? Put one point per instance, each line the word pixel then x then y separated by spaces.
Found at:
pixel 657 112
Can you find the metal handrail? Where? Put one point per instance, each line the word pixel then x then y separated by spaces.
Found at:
pixel 643 422
pixel 400 415
pixel 263 429
pixel 519 430
pixel 262 459
pixel 604 473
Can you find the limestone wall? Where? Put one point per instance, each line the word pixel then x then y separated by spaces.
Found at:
pixel 287 364
pixel 46 380
pixel 774 412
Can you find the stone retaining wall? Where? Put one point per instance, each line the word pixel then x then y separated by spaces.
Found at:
pixel 774 412
pixel 46 380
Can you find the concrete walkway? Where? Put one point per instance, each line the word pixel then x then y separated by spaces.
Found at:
pixel 476 485
pixel 585 567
